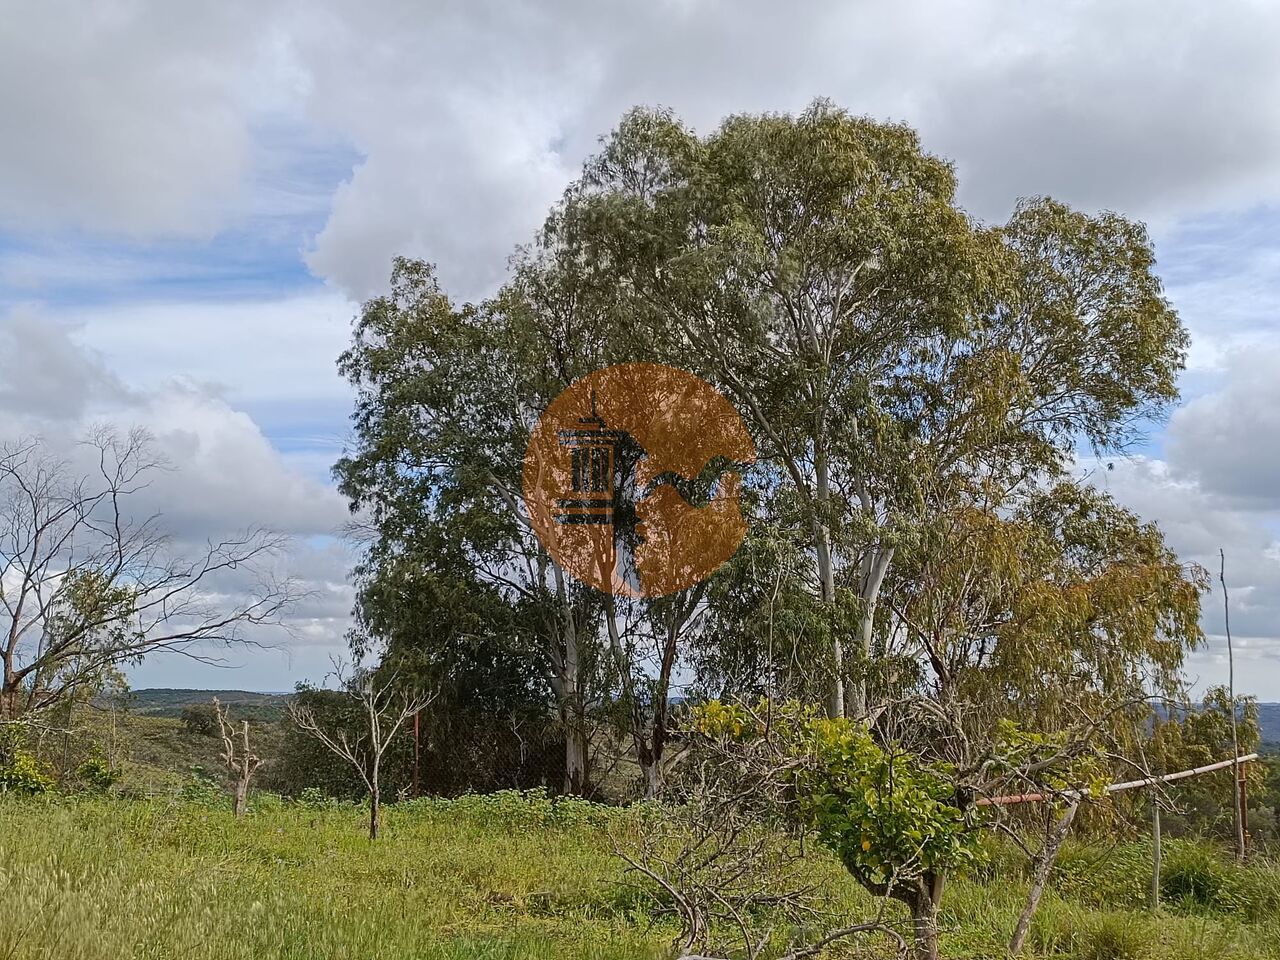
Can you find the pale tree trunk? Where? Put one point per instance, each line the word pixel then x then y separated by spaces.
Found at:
pixel 574 717
pixel 1044 865
pixel 649 738
pixel 246 772
pixel 375 795
pixel 875 564
pixel 827 579
pixel 827 582
pixel 240 761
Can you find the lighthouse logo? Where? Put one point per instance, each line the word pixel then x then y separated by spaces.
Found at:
pixel 631 479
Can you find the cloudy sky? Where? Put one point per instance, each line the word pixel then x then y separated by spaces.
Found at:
pixel 194 197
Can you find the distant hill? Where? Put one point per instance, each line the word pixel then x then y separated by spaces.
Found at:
pixel 169 702
pixel 1269 726
pixel 267 707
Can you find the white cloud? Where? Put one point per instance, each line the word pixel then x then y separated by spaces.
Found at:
pixel 1228 440
pixel 351 133
pixel 45 375
pixel 123 117
pixel 223 476
pixel 252 351
pixel 154 117
pixel 1196 523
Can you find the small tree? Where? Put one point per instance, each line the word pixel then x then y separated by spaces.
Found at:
pixel 239 759
pixel 900 824
pixel 385 706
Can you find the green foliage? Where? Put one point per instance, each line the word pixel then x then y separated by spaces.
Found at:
pixel 97 775
pixel 20 771
pixel 203 790
pixel 1186 735
pixel 1196 877
pixel 473 878
pixel 200 719
pixel 531 810
pixel 888 816
pixel 1113 936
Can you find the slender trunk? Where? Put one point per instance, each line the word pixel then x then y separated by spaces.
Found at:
pixel 245 771
pixel 375 812
pixel 827 582
pixel 874 567
pixel 568 688
pixel 1044 864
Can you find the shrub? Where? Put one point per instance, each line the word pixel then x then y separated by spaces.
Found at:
pixel 313 798
pixel 97 775
pixel 20 772
pixel 200 719
pixel 1197 877
pixel 203 790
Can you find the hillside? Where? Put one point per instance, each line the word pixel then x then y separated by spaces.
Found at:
pixel 1269 724
pixel 270 707
pixel 170 702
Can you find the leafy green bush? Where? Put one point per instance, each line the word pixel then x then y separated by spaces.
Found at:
pixel 1062 928
pixel 201 720
pixel 203 789
pixel 97 775
pixel 314 798
pixel 264 801
pixel 1193 875
pixel 20 772
pixel 1104 875
pixel 887 815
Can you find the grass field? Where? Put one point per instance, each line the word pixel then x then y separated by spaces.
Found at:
pixel 506 877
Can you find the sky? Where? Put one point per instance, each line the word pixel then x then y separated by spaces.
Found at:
pixel 195 197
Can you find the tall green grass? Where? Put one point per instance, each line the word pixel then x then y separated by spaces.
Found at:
pixel 512 877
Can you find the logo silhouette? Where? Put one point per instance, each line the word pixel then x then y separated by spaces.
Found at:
pixel 631 479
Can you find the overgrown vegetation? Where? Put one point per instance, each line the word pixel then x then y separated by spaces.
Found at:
pixel 932 622
pixel 505 876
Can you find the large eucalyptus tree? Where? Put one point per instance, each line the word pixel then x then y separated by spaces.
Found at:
pixel 891 354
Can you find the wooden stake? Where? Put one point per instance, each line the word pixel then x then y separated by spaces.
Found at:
pixel 1155 853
